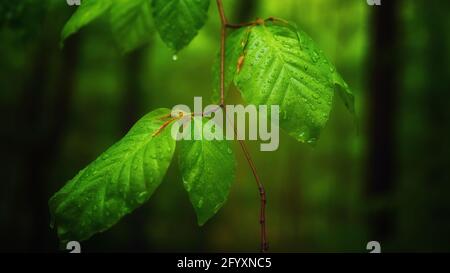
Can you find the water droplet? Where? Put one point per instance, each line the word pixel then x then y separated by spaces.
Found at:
pixel 187 186
pixel 229 151
pixel 302 135
pixel 141 197
pixel 312 141
pixel 175 57
pixel 315 57
pixel 200 203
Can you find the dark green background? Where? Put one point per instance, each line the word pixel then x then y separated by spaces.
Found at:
pixel 60 108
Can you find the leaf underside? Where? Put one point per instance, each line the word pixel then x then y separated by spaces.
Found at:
pixel 131 23
pixel 130 20
pixel 178 21
pixel 116 183
pixel 85 14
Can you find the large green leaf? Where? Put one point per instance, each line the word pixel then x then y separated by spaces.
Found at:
pixel 283 66
pixel 116 183
pixel 208 170
pixel 88 11
pixel 178 21
pixel 131 23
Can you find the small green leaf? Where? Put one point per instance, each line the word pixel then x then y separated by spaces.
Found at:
pixel 283 66
pixel 88 11
pixel 208 170
pixel 116 183
pixel 178 21
pixel 131 23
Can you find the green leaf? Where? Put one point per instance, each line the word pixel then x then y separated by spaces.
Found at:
pixel 283 66
pixel 208 170
pixel 178 21
pixel 88 11
pixel 131 23
pixel 116 183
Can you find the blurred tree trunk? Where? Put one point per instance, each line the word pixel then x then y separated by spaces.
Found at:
pixel 130 114
pixel 133 88
pixel 43 126
pixel 383 89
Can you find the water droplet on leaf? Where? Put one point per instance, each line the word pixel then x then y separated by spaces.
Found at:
pixel 200 203
pixel 302 135
pixel 141 197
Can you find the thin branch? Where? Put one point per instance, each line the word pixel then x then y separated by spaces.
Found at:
pixel 262 192
pixel 240 25
pixel 223 37
pixel 262 195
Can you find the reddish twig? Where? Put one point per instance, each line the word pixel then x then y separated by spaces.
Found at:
pixel 223 37
pixel 262 195
pixel 262 192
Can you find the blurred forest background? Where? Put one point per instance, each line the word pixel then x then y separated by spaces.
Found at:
pixel 60 108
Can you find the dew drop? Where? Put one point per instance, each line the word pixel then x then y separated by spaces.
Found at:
pixel 175 57
pixel 141 197
pixel 217 207
pixel 315 57
pixel 187 185
pixel 229 151
pixel 302 135
pixel 200 203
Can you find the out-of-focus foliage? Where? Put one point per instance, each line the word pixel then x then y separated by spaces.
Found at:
pixel 178 21
pixel 130 21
